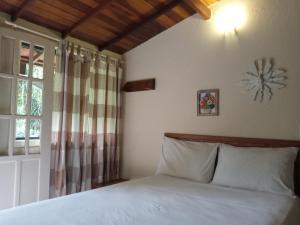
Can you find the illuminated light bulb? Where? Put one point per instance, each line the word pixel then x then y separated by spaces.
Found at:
pixel 230 18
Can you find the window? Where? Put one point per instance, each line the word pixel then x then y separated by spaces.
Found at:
pixel 22 99
pixel 6 86
pixel 38 62
pixel 4 137
pixel 29 99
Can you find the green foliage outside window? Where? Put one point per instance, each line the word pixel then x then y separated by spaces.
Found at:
pixel 35 108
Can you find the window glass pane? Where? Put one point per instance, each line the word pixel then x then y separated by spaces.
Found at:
pixel 24 58
pixel 38 62
pixel 36 98
pixel 4 137
pixel 22 92
pixel 5 87
pixel 7 55
pixel 34 136
pixel 19 145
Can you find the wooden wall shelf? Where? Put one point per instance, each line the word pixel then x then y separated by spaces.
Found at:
pixel 139 85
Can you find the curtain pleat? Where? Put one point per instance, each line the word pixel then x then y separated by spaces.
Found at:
pixel 84 146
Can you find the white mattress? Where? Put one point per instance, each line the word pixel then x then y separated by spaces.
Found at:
pixel 159 200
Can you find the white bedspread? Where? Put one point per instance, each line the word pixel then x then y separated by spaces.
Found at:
pixel 158 200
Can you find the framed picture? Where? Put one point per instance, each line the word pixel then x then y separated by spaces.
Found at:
pixel 208 102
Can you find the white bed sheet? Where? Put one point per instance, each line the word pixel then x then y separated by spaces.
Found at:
pixel 159 200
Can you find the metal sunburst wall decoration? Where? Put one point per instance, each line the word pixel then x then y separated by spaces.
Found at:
pixel 263 78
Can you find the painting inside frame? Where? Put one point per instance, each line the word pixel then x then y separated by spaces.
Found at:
pixel 208 102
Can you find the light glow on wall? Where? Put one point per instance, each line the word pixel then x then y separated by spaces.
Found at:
pixel 230 18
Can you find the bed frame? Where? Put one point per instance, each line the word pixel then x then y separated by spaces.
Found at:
pixel 246 142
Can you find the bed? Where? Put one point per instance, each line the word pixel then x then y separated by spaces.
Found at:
pixel 166 200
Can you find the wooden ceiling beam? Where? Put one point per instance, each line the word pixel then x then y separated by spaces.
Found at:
pixel 21 9
pixel 87 17
pixel 136 26
pixel 200 6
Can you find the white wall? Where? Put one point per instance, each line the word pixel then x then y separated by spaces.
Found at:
pixel 192 56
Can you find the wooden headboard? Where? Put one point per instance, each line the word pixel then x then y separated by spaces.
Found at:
pixel 246 142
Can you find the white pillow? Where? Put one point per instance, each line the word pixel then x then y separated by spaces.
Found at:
pixel 189 160
pixel 262 169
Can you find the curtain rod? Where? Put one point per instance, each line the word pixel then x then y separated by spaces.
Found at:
pixel 31 31
pixel 50 37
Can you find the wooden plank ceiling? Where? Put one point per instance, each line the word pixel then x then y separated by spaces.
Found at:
pixel 116 25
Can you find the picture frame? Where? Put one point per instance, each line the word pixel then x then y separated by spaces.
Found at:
pixel 208 102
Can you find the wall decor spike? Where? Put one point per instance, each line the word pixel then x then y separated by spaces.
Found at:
pixel 263 78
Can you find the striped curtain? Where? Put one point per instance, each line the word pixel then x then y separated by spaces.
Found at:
pixel 85 127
